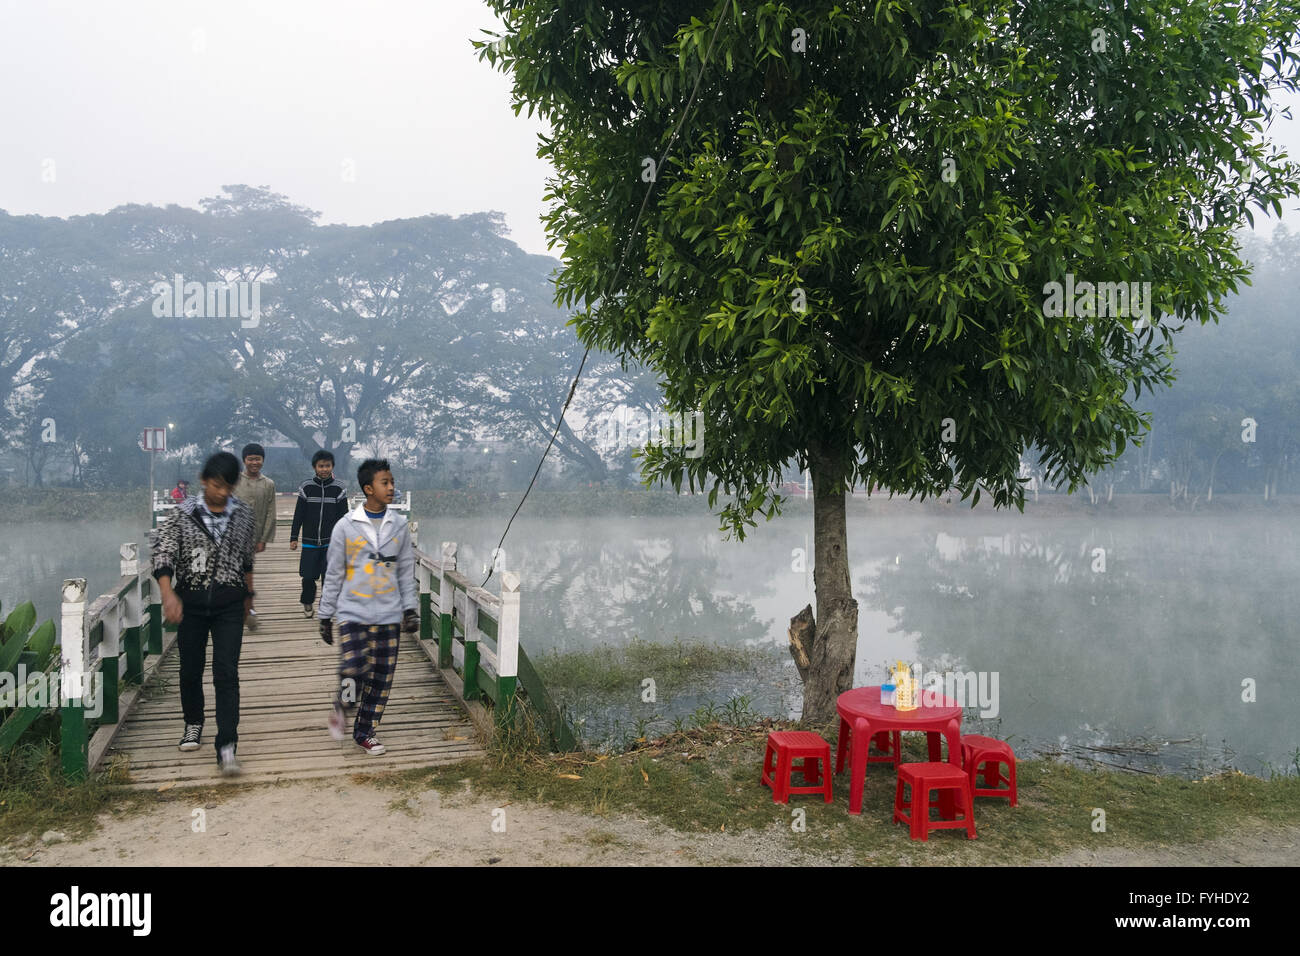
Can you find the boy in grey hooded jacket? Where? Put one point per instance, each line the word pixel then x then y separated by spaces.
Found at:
pixel 370 585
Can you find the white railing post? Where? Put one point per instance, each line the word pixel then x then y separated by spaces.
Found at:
pixel 445 590
pixel 469 675
pixel 74 659
pixel 508 626
pixel 72 639
pixel 130 563
pixel 133 622
pixel 424 592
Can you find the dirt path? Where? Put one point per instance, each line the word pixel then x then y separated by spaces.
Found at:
pixel 349 822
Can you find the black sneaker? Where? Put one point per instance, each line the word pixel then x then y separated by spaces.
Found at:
pixel 190 740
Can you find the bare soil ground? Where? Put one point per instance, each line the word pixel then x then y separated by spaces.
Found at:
pixel 359 824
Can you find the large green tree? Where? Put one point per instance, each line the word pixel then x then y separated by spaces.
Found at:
pixel 844 255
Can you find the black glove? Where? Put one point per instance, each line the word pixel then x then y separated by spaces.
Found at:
pixel 410 622
pixel 327 631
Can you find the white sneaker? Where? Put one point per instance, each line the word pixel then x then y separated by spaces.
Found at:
pixel 251 621
pixel 227 762
pixel 336 723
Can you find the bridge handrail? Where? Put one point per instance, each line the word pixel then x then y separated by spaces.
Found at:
pixel 163 504
pixel 102 645
pixel 486 628
pixel 486 622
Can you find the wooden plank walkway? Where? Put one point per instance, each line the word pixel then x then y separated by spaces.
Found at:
pixel 286 677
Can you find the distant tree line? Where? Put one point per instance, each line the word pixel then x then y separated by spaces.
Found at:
pixel 397 338
pixel 406 336
pixel 1231 422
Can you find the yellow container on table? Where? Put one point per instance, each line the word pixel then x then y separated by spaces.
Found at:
pixel 906 687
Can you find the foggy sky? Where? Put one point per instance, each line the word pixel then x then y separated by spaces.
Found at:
pixel 164 101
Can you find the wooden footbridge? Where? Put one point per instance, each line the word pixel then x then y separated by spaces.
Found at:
pixel 455 684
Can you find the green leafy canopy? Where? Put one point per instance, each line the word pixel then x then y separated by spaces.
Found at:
pixel 849 242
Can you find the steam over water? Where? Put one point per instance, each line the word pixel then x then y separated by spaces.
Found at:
pixel 1139 653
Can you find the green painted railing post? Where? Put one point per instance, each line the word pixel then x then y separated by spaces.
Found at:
pixel 424 584
pixel 74 656
pixel 507 648
pixel 133 639
pixel 426 611
pixel 74 747
pixel 155 615
pixel 470 674
pixel 445 592
pixel 109 687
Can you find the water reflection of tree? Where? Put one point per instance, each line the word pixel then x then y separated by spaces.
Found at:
pixel 589 584
pixel 1160 641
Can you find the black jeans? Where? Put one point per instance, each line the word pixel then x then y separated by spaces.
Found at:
pixel 226 625
pixel 312 568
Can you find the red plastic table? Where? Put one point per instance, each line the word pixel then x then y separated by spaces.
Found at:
pixel 862 710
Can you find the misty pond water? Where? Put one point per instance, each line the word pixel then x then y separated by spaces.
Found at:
pixel 1143 664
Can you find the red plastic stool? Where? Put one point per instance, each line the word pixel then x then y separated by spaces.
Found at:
pixel 923 778
pixel 786 746
pixel 984 756
pixel 887 742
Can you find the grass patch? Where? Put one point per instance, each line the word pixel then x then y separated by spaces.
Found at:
pixel 603 689
pixel 607 668
pixel 35 796
pixel 706 780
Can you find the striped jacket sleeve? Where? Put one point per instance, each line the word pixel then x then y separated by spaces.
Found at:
pixel 166 551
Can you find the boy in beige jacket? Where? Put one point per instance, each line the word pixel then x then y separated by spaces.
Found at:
pixel 255 489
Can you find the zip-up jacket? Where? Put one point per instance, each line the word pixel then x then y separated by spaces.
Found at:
pixel 321 503
pixel 204 572
pixel 369 577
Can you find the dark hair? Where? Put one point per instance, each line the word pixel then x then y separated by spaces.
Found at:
pixel 322 455
pixel 369 467
pixel 253 448
pixel 222 465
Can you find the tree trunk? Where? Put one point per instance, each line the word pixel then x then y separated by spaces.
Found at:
pixel 801 633
pixel 835 638
pixel 1209 485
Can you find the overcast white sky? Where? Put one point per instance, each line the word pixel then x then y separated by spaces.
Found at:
pixel 164 101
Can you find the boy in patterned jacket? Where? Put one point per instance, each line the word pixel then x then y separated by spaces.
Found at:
pixel 203 560
pixel 370 583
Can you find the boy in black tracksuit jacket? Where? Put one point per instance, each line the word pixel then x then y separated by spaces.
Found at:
pixel 322 501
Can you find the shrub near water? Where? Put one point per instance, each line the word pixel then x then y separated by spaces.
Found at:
pixel 602 690
pixel 607 668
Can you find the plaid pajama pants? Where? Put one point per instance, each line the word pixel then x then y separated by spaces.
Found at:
pixel 369 659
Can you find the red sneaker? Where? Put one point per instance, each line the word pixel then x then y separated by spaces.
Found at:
pixel 371 745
